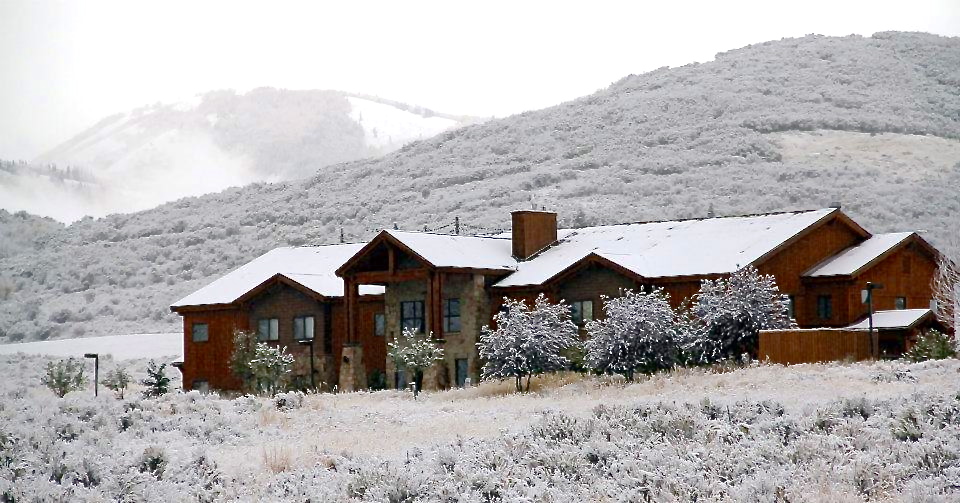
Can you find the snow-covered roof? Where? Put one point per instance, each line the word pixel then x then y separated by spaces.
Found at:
pixel 852 260
pixel 474 252
pixel 673 248
pixel 902 318
pixel 310 266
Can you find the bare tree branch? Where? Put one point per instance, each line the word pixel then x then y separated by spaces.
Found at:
pixel 946 291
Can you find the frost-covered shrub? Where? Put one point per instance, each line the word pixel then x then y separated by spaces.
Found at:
pixel 527 341
pixel 931 345
pixel 288 400
pixel 271 368
pixel 639 334
pixel 117 381
pixel 64 376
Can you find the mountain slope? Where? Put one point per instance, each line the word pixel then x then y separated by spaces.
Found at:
pixel 154 154
pixel 798 123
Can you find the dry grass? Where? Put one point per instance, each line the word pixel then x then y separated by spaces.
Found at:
pixel 269 416
pixel 277 457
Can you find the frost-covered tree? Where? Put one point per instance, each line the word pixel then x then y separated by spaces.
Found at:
pixel 117 381
pixel 527 341
pixel 64 376
pixel 639 334
pixel 271 367
pixel 156 383
pixel 731 312
pixel 415 352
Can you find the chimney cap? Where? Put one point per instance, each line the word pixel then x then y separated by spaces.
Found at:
pixel 526 212
pixel 836 204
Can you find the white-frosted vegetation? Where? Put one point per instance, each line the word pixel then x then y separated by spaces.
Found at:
pixel 885 431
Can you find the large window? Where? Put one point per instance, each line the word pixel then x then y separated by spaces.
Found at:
pixel 824 307
pixel 411 316
pixel 379 324
pixel 201 332
pixel 451 315
pixel 268 329
pixel 303 328
pixel 581 311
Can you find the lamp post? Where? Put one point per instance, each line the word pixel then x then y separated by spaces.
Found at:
pixel 874 338
pixel 96 371
pixel 309 342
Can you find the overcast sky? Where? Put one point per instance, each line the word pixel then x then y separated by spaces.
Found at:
pixel 65 65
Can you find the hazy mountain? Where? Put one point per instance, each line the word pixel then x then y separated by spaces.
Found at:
pixel 798 123
pixel 154 154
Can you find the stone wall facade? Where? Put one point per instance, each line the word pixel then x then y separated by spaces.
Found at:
pixel 461 345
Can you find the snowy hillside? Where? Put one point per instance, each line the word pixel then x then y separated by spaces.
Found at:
pixel 792 124
pixel 142 158
pixel 885 431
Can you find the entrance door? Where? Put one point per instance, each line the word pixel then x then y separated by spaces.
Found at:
pixel 461 372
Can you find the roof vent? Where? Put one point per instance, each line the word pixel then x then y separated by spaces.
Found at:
pixel 836 205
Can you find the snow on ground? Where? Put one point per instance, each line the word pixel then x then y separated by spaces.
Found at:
pixel 122 347
pixel 354 423
pixel 387 127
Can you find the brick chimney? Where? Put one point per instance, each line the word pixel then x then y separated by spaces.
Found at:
pixel 532 232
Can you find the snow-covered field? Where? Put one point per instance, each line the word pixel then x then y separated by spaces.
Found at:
pixel 860 432
pixel 121 347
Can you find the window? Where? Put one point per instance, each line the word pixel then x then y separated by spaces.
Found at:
pixel 581 311
pixel 201 332
pixel 824 307
pixel 411 316
pixel 268 329
pixel 901 303
pixel 303 328
pixel 451 315
pixel 792 307
pixel 462 367
pixel 200 385
pixel 379 324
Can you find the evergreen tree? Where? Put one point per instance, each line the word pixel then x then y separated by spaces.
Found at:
pixel 527 341
pixel 932 345
pixel 639 334
pixel 244 351
pixel 157 383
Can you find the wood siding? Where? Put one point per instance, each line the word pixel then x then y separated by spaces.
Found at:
pixel 789 263
pixel 811 346
pixel 209 361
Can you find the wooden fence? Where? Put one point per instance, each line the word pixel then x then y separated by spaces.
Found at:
pixel 814 345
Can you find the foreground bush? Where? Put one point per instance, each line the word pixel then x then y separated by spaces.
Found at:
pixel 932 345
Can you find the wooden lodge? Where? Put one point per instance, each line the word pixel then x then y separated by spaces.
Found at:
pixel 361 296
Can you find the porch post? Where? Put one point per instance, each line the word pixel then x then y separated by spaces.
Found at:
pixel 351 293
